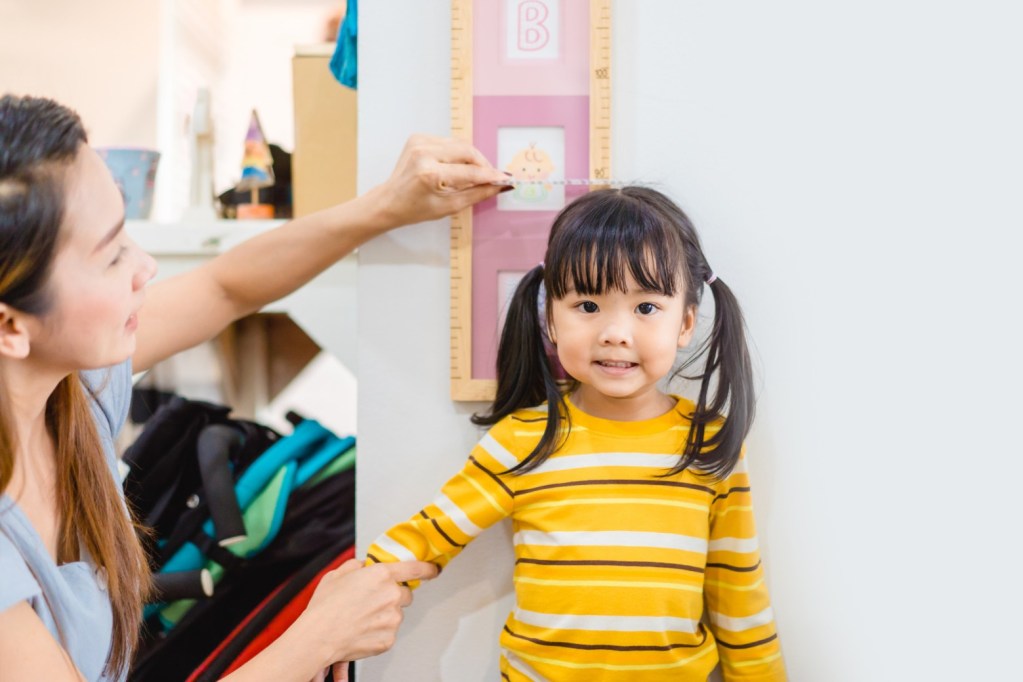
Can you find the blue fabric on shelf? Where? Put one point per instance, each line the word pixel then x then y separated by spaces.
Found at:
pixel 345 62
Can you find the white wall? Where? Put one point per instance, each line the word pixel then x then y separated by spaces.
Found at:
pixel 84 55
pixel 855 171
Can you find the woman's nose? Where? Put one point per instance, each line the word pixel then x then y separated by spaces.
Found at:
pixel 146 269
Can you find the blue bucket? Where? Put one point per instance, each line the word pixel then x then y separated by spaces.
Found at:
pixel 134 171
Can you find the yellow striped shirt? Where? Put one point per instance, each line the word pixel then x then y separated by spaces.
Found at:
pixel 620 573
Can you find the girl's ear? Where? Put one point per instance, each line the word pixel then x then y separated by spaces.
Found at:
pixel 14 338
pixel 685 335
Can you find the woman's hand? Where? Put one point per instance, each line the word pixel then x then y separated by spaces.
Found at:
pixel 435 177
pixel 356 610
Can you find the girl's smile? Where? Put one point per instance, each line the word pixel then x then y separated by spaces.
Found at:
pixel 618 345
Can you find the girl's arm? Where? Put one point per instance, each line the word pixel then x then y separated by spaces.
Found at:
pixel 29 651
pixel 738 605
pixel 471 501
pixel 434 177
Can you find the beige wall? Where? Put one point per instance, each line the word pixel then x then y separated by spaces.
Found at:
pixel 99 57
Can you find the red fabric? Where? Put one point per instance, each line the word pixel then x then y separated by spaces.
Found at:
pixel 281 622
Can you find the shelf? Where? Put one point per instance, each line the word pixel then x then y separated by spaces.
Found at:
pixel 325 307
pixel 191 239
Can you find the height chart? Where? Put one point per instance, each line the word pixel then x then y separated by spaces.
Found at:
pixel 531 89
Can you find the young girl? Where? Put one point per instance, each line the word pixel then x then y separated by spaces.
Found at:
pixel 636 553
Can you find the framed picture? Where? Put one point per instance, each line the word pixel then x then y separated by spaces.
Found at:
pixel 531 90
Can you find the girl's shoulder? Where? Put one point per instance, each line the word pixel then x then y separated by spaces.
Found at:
pixel 524 425
pixel 686 407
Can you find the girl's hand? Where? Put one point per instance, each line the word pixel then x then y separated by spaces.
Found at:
pixel 435 177
pixel 356 610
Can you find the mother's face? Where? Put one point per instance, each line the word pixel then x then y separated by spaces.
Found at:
pixel 98 276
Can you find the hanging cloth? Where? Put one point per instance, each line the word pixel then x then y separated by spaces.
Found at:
pixel 345 62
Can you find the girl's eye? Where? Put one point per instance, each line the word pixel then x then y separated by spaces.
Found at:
pixel 646 308
pixel 117 258
pixel 588 307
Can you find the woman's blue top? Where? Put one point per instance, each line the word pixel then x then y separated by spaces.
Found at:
pixel 71 599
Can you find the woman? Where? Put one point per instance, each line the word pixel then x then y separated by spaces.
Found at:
pixel 73 329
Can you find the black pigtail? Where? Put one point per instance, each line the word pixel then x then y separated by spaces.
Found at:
pixel 524 374
pixel 728 359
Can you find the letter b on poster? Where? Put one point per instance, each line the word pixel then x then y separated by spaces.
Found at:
pixel 534 28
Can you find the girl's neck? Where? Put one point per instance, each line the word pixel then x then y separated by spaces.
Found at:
pixel 629 409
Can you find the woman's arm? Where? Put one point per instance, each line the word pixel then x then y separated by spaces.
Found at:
pixel 29 651
pixel 434 177
pixel 354 613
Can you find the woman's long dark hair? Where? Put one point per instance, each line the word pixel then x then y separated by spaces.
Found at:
pixel 596 243
pixel 39 140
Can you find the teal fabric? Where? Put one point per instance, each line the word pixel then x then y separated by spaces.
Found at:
pixel 307 439
pixel 263 491
pixel 345 62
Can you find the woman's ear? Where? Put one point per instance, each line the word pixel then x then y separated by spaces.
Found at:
pixel 685 335
pixel 14 340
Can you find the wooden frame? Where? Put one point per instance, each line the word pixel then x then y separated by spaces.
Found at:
pixel 497 83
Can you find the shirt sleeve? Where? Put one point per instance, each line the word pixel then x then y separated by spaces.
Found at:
pixel 110 389
pixel 110 392
pixel 738 605
pixel 18 583
pixel 472 500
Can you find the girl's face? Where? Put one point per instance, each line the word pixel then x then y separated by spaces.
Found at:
pixel 618 346
pixel 98 276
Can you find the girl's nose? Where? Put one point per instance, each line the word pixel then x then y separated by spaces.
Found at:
pixel 616 333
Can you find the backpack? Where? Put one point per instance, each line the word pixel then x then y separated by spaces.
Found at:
pixel 235 510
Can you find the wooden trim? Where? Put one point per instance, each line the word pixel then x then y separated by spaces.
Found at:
pixel 462 385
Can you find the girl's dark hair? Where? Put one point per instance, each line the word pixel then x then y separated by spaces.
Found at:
pixel 39 140
pixel 595 244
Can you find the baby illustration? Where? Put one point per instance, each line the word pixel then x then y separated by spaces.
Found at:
pixel 531 166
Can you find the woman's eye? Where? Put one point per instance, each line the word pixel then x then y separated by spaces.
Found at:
pixel 646 308
pixel 588 307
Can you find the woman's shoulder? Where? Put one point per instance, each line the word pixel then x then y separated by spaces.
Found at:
pixel 19 583
pixel 110 390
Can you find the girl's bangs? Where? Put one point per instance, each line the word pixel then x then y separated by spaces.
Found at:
pixel 599 253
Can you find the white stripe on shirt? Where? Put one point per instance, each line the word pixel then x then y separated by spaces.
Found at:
pixel 566 621
pixel 394 548
pixel 498 452
pixel 457 516
pixel 607 459
pixel 612 538
pixel 739 624
pixel 739 545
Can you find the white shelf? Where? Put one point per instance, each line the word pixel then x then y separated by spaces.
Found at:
pixel 190 239
pixel 325 307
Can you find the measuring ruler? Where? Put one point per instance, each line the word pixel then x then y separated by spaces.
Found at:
pixel 566 182
pixel 463 385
